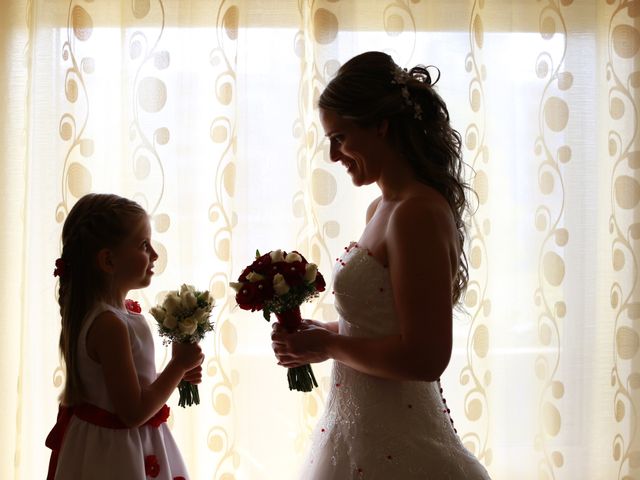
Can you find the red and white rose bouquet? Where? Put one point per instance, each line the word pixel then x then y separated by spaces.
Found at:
pixel 279 282
pixel 184 317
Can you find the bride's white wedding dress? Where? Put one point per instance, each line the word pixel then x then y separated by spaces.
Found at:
pixel 374 428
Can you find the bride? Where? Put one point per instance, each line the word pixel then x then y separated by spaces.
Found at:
pixel 395 288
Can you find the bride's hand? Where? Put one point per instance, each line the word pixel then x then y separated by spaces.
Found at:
pixel 307 322
pixel 307 345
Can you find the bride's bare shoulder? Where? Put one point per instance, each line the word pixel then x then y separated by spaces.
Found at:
pixel 372 208
pixel 430 198
pixel 424 209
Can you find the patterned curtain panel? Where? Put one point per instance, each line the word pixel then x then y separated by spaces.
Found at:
pixel 204 112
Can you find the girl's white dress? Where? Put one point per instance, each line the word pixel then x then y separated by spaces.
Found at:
pixel 374 428
pixel 92 452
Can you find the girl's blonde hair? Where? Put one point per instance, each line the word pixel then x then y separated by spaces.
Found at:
pixel 95 222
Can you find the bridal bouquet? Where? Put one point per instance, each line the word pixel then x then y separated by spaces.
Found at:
pixel 184 317
pixel 279 282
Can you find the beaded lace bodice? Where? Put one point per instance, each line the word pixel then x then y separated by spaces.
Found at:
pixel 375 428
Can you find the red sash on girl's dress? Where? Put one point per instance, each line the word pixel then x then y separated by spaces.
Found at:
pixel 90 414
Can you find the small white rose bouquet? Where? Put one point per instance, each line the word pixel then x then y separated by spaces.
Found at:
pixel 183 317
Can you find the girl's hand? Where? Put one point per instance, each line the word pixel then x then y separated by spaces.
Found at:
pixel 309 344
pixel 193 376
pixel 187 355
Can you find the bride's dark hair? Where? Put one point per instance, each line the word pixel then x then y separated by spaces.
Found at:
pixel 370 88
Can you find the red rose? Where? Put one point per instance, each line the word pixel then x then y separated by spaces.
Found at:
pixel 265 289
pixel 293 273
pixel 151 466
pixel 243 276
pixel 249 297
pixel 132 306
pixel 260 265
pixel 273 269
pixel 320 283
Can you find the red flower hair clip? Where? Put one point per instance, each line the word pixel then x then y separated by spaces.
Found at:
pixel 61 268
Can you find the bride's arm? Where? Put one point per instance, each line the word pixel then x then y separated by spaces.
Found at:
pixel 423 256
pixel 331 326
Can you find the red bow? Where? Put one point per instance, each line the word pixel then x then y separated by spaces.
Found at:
pixel 61 267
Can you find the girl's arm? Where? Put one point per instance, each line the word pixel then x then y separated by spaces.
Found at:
pixel 423 253
pixel 108 339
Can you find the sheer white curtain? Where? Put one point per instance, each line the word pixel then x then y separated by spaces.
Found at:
pixel 203 111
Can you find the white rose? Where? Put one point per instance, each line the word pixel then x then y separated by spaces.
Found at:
pixel 201 315
pixel 254 277
pixel 207 298
pixel 310 273
pixel 188 325
pixel 280 285
pixel 237 286
pixel 172 302
pixel 158 313
pixel 170 322
pixel 277 256
pixel 293 257
pixel 189 300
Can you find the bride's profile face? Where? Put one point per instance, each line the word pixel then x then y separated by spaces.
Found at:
pixel 355 147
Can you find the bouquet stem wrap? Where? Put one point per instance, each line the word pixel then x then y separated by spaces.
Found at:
pixel 300 378
pixel 189 394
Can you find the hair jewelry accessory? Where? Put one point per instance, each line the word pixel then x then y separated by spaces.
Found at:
pixel 61 267
pixel 400 77
pixel 428 75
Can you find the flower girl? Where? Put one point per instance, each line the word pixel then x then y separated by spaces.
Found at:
pixel 112 417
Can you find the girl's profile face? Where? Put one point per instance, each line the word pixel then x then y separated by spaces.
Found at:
pixel 134 258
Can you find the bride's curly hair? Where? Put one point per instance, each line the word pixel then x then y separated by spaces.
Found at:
pixel 370 88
